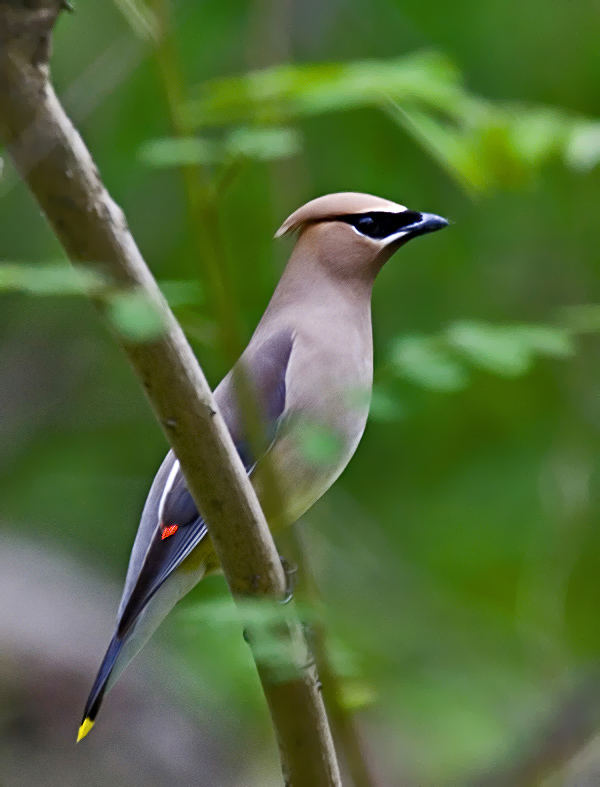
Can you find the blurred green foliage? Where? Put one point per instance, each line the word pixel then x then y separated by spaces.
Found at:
pixel 509 350
pixel 47 279
pixel 134 316
pixel 261 144
pixel 458 555
pixel 484 144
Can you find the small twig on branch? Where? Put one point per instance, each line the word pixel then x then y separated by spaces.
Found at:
pixel 56 165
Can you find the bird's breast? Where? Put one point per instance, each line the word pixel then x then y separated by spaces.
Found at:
pixel 328 388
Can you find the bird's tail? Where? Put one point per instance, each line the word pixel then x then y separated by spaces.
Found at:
pixel 126 643
pixel 123 647
pixel 96 695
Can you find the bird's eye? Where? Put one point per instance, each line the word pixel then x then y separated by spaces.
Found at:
pixel 380 225
pixel 366 224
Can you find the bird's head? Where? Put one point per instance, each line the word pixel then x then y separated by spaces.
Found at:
pixel 353 233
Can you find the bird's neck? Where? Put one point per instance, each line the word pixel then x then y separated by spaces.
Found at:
pixel 310 282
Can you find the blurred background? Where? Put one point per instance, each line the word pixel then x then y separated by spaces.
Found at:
pixel 452 572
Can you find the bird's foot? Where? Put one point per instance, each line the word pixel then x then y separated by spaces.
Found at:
pixel 290 570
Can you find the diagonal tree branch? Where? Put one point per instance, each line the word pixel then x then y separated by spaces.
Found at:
pixel 56 165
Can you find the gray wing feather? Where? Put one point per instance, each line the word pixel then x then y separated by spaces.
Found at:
pixel 146 529
pixel 267 366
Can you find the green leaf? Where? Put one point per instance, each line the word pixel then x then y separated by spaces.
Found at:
pixel 263 144
pixel 135 316
pixel 444 142
pixel 508 350
pixel 252 611
pixel 318 443
pixel 487 146
pixel 424 361
pixel 482 144
pixel 490 347
pixel 356 694
pixel 178 152
pixel 583 146
pixel 48 278
pixel 537 133
pixel 262 619
pixel 500 162
pixel 284 92
pixel 547 340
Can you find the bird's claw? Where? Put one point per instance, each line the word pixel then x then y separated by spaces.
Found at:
pixel 290 571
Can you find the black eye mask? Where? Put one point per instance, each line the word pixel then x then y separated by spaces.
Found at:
pixel 381 225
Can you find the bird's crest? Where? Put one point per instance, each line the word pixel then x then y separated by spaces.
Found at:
pixel 342 203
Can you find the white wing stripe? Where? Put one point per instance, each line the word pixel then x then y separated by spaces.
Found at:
pixel 167 489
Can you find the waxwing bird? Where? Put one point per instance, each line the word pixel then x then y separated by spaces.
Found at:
pixel 311 353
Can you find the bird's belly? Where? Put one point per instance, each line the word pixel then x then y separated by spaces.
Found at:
pixel 308 455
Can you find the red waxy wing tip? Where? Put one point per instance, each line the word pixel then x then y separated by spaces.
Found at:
pixel 169 530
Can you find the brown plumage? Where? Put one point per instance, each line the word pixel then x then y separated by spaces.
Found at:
pixel 310 361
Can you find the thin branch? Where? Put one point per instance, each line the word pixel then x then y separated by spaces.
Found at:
pixel 56 165
pixel 349 741
pixel 200 193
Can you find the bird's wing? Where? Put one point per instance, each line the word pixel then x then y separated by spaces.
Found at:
pixel 171 527
pixel 146 528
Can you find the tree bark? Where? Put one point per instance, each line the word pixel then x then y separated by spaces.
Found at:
pixel 53 160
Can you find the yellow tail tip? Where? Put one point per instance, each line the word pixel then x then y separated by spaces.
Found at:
pixel 86 726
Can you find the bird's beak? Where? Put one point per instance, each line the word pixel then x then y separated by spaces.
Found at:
pixel 422 224
pixel 428 222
